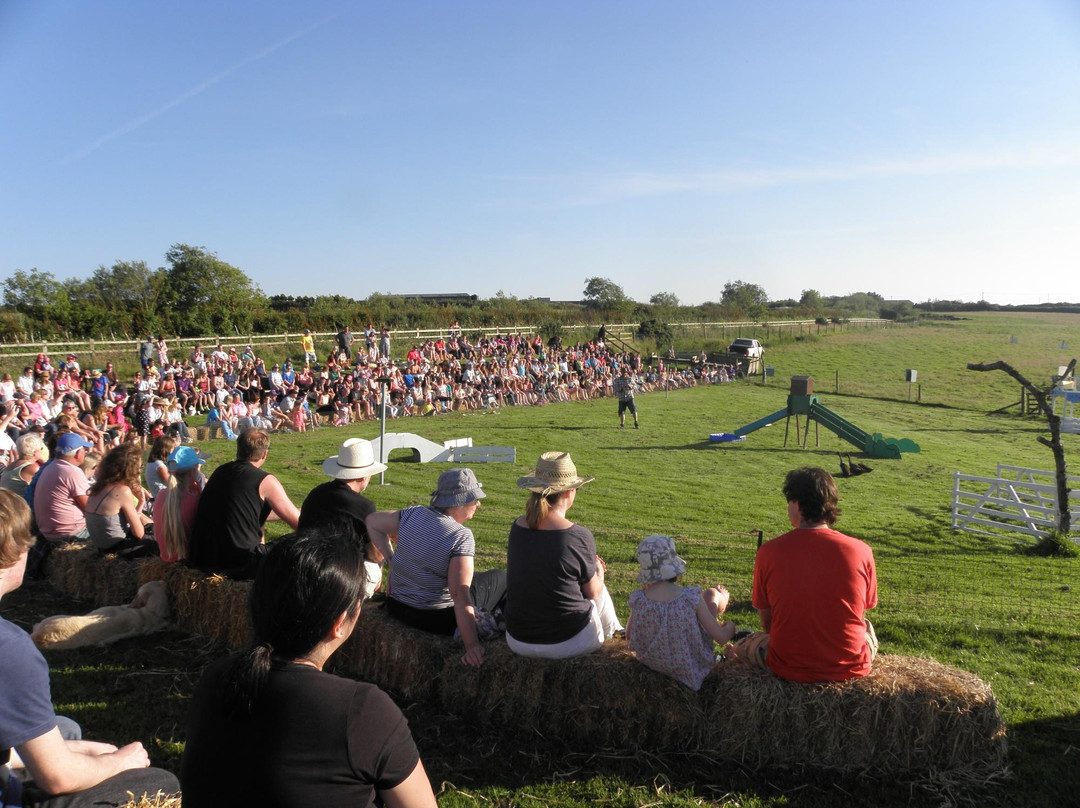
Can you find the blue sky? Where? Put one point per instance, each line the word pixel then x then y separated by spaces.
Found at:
pixel 921 150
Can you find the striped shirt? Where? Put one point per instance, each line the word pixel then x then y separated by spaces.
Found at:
pixel 426 542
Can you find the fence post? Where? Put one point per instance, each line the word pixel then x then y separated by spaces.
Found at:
pixel 837 382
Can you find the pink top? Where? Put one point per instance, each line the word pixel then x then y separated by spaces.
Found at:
pixel 54 500
pixel 188 505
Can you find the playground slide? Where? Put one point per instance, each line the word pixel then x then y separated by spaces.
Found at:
pixel 768 419
pixel 873 445
pixel 841 426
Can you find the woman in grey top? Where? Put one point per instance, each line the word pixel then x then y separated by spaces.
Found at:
pixel 114 516
pixel 432 586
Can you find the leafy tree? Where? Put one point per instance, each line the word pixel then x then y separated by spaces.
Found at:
pixel 205 295
pixel 132 291
pixel 605 294
pixel 748 299
pixel 657 329
pixel 811 300
pixel 665 299
pixel 39 296
pixel 744 295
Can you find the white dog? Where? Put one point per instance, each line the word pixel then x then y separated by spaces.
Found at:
pixel 149 612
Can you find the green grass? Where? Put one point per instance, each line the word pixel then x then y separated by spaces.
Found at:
pixel 976 603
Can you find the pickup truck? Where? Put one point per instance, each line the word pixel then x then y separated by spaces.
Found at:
pixel 747 347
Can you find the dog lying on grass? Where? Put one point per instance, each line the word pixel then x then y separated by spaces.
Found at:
pixel 147 613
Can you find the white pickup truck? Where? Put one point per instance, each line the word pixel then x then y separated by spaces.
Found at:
pixel 747 347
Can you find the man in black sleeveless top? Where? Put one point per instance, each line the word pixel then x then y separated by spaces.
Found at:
pixel 227 535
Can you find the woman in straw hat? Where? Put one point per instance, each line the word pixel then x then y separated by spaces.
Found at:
pixel 432 585
pixel 557 605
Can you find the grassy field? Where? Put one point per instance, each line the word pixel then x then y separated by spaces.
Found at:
pixel 975 603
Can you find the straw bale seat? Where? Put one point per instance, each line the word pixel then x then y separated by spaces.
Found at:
pixel 910 717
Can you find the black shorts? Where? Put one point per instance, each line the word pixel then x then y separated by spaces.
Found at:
pixel 627 405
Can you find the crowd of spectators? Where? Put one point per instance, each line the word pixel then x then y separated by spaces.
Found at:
pixel 237 390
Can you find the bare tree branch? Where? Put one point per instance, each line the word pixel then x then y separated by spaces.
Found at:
pixel 1042 397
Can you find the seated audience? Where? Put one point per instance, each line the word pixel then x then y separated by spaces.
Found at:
pixel 340 503
pixel 557 605
pixel 175 507
pixel 157 469
pixel 812 587
pixel 31 454
pixel 227 536
pixel 59 495
pixel 673 628
pixel 114 506
pixel 271 728
pixel 40 765
pixel 432 583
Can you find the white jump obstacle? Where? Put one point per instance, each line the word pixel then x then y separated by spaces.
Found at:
pixel 423 450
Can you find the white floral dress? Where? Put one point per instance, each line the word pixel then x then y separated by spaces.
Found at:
pixel 668 637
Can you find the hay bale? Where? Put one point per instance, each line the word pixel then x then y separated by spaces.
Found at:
pixel 78 570
pixel 908 715
pixel 911 717
pixel 157 801
pixel 202 433
pixel 397 657
pixel 590 701
pixel 208 605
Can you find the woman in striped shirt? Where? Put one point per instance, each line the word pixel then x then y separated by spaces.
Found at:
pixel 432 586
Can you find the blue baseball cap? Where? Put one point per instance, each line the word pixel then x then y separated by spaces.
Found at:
pixel 70 442
pixel 184 457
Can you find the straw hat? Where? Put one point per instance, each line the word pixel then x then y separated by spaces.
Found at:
pixel 354 460
pixel 555 472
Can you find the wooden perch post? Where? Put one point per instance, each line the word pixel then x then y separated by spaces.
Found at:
pixel 1064 517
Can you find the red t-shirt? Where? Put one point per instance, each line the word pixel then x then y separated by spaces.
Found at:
pixel 818 584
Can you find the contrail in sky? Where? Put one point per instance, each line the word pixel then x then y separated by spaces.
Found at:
pixel 135 123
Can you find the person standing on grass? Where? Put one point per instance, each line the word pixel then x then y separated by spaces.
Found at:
pixel 623 387
pixel 43 762
pixel 812 588
pixel 307 344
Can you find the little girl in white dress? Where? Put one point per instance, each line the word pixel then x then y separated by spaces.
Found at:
pixel 672 628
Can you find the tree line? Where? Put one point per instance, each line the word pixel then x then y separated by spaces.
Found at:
pixel 198 294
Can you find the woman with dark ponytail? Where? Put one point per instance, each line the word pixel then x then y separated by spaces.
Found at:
pixel 270 728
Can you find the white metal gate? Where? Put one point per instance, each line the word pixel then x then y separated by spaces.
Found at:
pixel 1017 503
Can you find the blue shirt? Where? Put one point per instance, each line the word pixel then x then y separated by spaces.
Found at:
pixel 25 701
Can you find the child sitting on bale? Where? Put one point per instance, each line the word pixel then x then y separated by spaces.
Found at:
pixel 672 628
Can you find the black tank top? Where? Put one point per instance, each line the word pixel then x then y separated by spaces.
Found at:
pixel 228 523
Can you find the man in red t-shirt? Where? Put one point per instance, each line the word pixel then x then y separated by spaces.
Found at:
pixel 812 587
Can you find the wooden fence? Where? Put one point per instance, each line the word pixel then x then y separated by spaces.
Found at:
pixel 1017 503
